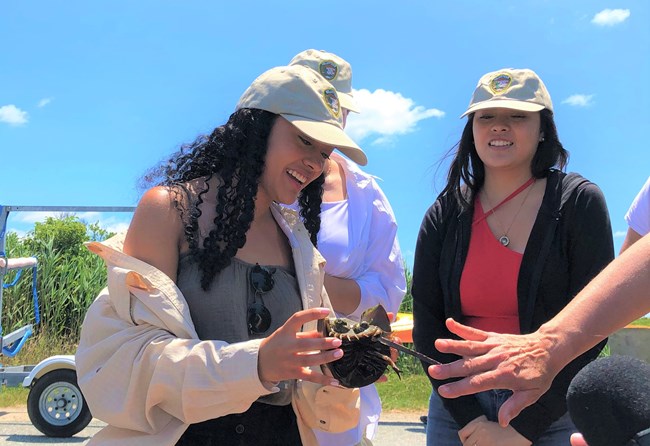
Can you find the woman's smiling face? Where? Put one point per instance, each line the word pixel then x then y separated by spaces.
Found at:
pixel 506 138
pixel 293 160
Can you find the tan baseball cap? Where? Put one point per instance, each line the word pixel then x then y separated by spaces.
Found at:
pixel 308 101
pixel 517 89
pixel 335 69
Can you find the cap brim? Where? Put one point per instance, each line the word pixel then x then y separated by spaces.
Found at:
pixel 331 135
pixel 347 101
pixel 505 103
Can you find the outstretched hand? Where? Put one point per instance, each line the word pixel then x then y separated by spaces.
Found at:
pixel 521 363
pixel 289 353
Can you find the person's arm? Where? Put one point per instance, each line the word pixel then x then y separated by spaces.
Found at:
pixel 527 364
pixel 630 238
pixel 638 217
pixel 154 232
pixel 379 277
pixel 344 294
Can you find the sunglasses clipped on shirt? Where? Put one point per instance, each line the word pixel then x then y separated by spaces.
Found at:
pixel 259 317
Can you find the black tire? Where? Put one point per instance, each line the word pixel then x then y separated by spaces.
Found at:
pixel 56 406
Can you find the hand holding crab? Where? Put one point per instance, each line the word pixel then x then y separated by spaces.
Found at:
pixel 289 353
pixel 365 358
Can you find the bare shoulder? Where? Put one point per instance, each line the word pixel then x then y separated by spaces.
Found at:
pixel 156 207
pixel 156 230
pixel 156 196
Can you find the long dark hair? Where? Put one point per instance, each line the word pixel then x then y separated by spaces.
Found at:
pixel 467 172
pixel 234 154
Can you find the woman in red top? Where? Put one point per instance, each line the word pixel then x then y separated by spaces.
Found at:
pixel 506 246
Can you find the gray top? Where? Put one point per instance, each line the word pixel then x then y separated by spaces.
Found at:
pixel 221 313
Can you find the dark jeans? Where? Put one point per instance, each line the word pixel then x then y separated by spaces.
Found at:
pixel 261 425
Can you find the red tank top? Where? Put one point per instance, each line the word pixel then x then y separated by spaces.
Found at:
pixel 488 284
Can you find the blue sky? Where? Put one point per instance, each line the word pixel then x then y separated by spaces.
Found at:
pixel 94 93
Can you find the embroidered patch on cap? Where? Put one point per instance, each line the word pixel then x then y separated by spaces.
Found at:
pixel 328 69
pixel 500 83
pixel 332 102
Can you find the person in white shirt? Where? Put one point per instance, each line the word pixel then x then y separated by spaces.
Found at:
pixel 358 238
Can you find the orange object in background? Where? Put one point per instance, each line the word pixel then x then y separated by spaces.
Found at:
pixel 403 327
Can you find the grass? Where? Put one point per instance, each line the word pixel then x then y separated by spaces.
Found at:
pixel 35 350
pixel 644 322
pixel 410 394
pixel 13 396
pixel 38 348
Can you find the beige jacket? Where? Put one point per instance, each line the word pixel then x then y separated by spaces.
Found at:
pixel 143 370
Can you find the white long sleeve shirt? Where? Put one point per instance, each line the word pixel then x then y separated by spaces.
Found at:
pixel 358 238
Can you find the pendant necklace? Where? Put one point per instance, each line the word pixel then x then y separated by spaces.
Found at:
pixel 504 239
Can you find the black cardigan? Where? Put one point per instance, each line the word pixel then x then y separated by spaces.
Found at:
pixel 570 243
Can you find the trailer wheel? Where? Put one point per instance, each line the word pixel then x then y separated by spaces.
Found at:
pixel 56 406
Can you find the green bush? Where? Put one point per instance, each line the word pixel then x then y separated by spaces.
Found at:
pixel 69 277
pixel 64 235
pixel 407 302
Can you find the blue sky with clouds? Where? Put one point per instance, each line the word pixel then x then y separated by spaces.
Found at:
pixel 94 93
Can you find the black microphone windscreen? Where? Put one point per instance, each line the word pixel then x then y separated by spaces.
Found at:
pixel 609 400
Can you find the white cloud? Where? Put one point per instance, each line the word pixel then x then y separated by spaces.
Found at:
pixel 32 217
pixel 12 115
pixel 110 222
pixel 579 100
pixel 384 115
pixel 610 17
pixel 43 102
pixel 620 234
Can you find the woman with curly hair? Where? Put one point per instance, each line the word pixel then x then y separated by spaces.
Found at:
pixel 507 244
pixel 206 332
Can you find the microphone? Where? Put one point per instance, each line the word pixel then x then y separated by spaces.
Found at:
pixel 609 402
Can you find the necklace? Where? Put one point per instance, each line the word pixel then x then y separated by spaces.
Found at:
pixel 504 239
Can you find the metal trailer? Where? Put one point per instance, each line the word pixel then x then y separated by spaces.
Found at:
pixel 55 404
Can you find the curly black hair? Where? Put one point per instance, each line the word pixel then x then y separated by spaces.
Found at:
pixel 467 172
pixel 235 154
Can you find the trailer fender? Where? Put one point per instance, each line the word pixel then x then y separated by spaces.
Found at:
pixel 49 364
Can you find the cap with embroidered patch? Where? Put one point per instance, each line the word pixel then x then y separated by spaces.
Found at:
pixel 306 100
pixel 517 89
pixel 335 69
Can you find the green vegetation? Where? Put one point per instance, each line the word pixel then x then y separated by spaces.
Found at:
pixel 407 302
pixel 69 278
pixel 410 394
pixel 13 396
pixel 644 322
